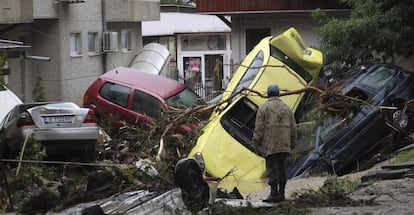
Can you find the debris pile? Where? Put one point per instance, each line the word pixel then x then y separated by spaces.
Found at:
pixel 140 156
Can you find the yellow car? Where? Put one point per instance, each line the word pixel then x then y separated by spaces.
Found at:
pixel 224 148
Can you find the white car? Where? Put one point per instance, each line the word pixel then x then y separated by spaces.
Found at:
pixel 63 128
pixel 7 101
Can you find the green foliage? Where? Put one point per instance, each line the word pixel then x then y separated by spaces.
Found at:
pixel 333 193
pixel 375 29
pixel 404 156
pixel 38 91
pixel 345 185
pixel 2 65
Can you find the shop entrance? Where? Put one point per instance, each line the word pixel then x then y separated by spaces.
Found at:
pixel 213 74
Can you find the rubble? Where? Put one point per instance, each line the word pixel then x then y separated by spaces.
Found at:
pixel 140 157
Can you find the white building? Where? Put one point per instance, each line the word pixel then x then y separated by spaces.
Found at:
pixel 197 43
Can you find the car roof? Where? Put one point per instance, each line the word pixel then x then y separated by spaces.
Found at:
pixel 8 100
pixel 162 86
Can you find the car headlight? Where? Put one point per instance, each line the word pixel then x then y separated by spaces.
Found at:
pixel 198 157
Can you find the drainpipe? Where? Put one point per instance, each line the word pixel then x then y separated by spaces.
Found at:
pixel 23 78
pixel 104 29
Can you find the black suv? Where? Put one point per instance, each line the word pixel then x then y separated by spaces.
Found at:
pixel 340 145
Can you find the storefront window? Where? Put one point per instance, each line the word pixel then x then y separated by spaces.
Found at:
pixel 192 68
pixel 203 42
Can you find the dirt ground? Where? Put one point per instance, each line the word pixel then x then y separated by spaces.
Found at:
pixel 392 196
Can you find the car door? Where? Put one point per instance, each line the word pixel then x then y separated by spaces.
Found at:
pixel 146 105
pixel 115 104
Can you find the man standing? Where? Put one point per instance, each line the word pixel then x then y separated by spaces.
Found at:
pixel 273 138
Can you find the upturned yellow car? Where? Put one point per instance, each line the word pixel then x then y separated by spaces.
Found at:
pixel 224 147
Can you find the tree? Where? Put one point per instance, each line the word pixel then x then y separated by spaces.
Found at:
pixel 375 29
pixel 3 67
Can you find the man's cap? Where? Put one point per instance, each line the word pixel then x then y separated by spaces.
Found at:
pixel 273 90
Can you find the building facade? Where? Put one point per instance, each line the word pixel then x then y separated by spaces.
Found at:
pixel 200 47
pixel 251 20
pixel 72 42
pixel 254 19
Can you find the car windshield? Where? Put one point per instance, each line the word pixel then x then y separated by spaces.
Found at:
pixel 185 98
pixel 379 77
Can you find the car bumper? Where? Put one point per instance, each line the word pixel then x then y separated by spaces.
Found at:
pixel 83 133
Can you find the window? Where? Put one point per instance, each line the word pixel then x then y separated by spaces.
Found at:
pixel 278 54
pixel 251 73
pixel 253 36
pixel 75 44
pixel 126 40
pixel 379 77
pixel 115 93
pixel 93 43
pixel 239 122
pixel 146 104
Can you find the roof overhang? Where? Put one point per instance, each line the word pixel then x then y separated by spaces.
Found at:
pixel 12 48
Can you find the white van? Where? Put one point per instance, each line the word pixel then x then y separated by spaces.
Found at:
pixel 7 101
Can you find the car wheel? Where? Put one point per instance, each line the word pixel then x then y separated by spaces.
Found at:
pixel 188 176
pixel 399 117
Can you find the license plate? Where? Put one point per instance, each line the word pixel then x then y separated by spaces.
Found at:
pixel 58 119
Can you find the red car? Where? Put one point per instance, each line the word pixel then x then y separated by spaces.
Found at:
pixel 132 96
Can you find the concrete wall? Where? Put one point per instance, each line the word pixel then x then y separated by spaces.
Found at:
pixel 16 11
pixel 45 9
pixel 76 73
pixel 120 58
pixel 132 10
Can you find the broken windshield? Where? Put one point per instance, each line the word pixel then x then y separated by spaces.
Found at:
pixel 185 98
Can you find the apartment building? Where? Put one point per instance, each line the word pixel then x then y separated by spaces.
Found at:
pixel 71 42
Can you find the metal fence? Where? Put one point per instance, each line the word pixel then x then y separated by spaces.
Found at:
pixel 206 93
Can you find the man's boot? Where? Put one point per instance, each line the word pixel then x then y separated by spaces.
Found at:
pixel 280 197
pixel 273 194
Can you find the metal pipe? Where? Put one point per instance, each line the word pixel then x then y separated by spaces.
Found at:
pixel 42 58
pixel 104 29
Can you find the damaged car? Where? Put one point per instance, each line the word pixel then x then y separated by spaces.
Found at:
pixel 63 128
pixel 130 96
pixel 344 142
pixel 223 149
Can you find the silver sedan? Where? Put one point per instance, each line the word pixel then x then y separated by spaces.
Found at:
pixel 62 127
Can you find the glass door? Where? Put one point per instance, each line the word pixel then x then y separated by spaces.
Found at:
pixel 213 75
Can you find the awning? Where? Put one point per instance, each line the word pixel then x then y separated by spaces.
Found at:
pixel 12 48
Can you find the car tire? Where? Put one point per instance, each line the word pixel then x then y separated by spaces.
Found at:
pixel 188 176
pixel 400 117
